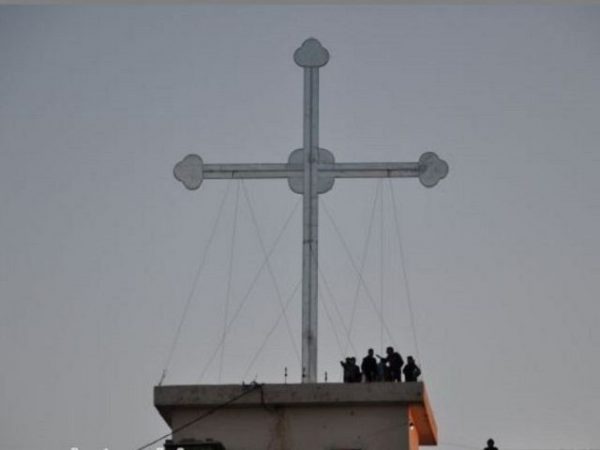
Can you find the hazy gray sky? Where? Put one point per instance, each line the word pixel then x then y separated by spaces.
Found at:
pixel 100 244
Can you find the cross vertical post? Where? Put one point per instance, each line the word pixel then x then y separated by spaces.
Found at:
pixel 310 56
pixel 310 171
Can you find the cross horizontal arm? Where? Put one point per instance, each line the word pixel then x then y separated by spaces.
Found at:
pixel 429 169
pixel 236 171
pixel 337 170
pixel 371 170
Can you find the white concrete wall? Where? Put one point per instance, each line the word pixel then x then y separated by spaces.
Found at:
pixel 365 427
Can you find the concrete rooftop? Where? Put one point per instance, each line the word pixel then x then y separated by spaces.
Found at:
pixel 169 398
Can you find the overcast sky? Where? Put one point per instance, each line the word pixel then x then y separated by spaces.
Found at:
pixel 101 245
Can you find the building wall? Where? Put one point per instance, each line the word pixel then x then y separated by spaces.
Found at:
pixel 361 427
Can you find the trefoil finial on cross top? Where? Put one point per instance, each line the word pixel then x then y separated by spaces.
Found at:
pixel 311 171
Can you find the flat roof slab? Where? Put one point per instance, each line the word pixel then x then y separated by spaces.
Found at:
pixel 413 395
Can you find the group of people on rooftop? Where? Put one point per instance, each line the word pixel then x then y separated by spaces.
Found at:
pixel 389 368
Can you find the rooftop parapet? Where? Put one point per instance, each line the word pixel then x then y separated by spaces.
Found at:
pixel 412 396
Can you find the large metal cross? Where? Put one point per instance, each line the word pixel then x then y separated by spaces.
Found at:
pixel 311 171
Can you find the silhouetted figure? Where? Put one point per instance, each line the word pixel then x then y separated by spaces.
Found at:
pixel 383 373
pixel 369 367
pixel 383 369
pixel 490 445
pixel 351 371
pixel 347 365
pixel 393 364
pixel 411 371
pixel 356 376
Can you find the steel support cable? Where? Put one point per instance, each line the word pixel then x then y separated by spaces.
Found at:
pixel 337 310
pixel 194 284
pixel 229 276
pixel 404 274
pixel 203 416
pixel 363 260
pixel 270 271
pixel 335 333
pixel 271 330
pixel 361 279
pixel 334 302
pixel 381 267
pixel 251 287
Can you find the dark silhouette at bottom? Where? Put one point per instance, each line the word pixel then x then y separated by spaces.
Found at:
pixel 490 445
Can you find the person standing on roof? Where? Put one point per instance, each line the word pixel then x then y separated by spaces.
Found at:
pixel 356 376
pixel 369 367
pixel 490 445
pixel 347 365
pixel 411 371
pixel 394 363
pixel 351 370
